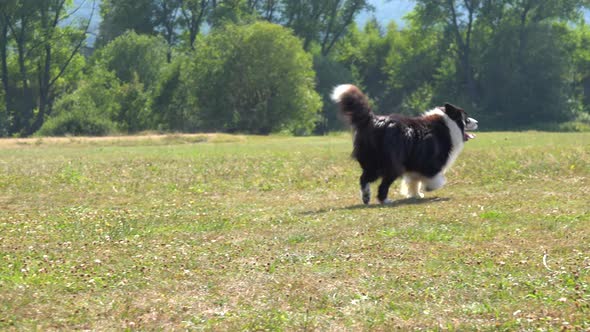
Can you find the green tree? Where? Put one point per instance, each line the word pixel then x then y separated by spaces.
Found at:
pixel 137 62
pixel 119 16
pixel 457 19
pixel 526 86
pixel 365 53
pixel 135 113
pixel 91 109
pixel 131 55
pixel 330 73
pixel 506 60
pixel 40 57
pixel 580 47
pixel 3 115
pixel 321 22
pixel 254 78
pixel 194 14
pixel 5 106
pixel 175 106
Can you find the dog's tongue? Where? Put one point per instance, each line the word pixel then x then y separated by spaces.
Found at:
pixel 469 136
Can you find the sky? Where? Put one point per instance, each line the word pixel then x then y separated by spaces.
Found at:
pixel 385 11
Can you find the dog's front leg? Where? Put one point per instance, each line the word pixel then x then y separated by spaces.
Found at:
pixel 436 182
pixel 365 180
pixel 384 189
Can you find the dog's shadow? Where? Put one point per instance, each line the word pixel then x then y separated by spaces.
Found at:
pixel 394 204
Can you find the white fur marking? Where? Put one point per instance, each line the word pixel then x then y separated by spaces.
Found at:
pixel 366 189
pixel 366 193
pixel 411 186
pixel 456 137
pixel 471 124
pixel 339 91
pixel 408 132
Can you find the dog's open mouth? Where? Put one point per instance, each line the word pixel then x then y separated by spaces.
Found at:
pixel 470 124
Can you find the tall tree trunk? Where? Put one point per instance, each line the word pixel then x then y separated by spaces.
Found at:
pixel 522 34
pixel 46 81
pixel 333 15
pixel 4 64
pixel 334 33
pixel 270 10
pixel 195 16
pixel 44 90
pixel 586 89
pixel 24 113
pixel 464 46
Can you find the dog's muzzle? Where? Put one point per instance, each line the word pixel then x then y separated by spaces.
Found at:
pixel 470 124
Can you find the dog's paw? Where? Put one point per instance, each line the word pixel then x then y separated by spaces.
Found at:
pixel 366 194
pixel 435 183
pixel 386 201
pixel 415 196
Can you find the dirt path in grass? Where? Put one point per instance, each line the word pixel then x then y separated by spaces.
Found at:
pixel 7 143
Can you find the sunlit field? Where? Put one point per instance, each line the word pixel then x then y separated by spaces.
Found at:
pixel 219 232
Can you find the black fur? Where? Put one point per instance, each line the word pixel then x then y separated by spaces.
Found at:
pixel 388 146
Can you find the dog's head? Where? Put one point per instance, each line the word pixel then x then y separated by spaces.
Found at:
pixel 460 117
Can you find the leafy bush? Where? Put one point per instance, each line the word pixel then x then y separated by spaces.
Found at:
pixel 174 102
pixel 256 79
pixel 134 111
pixel 134 57
pixel 330 73
pixel 88 110
pixel 77 124
pixel 101 104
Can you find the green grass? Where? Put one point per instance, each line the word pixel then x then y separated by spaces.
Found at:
pixel 268 233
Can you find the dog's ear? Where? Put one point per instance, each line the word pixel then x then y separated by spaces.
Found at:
pixel 453 111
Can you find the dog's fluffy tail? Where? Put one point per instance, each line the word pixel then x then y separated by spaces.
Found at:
pixel 354 105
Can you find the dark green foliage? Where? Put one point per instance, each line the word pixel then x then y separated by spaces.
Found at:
pixel 255 79
pixel 175 105
pixel 122 16
pixel 3 116
pixel 135 110
pixel 329 73
pixel 511 64
pixel 365 53
pixel 91 109
pixel 132 56
pixel 39 60
pixel 528 88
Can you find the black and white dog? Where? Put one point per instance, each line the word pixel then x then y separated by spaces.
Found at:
pixel 420 148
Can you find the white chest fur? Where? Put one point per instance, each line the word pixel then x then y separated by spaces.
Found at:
pixel 456 137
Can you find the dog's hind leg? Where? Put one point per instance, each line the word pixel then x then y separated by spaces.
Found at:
pixel 365 180
pixel 410 187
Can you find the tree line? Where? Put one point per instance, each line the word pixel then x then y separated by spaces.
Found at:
pixel 263 66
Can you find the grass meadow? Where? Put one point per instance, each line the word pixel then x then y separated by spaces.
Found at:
pixel 231 233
